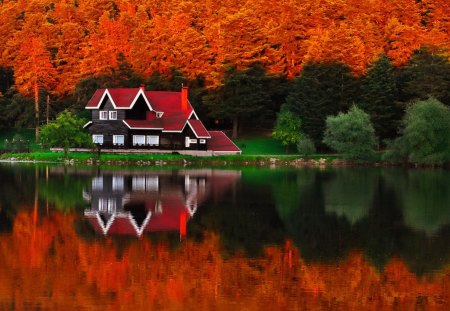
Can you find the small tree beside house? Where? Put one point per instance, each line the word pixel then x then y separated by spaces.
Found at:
pixel 65 132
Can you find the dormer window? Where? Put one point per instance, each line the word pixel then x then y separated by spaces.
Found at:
pixel 159 114
pixel 113 115
pixel 103 115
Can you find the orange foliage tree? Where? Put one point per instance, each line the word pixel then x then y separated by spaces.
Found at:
pixel 202 38
pixel 33 70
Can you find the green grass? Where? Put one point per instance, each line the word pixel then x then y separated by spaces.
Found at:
pixel 261 146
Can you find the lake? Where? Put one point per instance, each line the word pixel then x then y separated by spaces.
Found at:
pixel 89 238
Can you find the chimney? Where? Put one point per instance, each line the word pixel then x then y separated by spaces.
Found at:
pixel 142 87
pixel 184 98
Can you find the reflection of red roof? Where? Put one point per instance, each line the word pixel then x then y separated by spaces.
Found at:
pixel 169 219
pixel 221 143
pixel 173 211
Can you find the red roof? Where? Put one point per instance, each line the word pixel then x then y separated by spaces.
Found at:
pixel 221 143
pixel 94 101
pixel 198 128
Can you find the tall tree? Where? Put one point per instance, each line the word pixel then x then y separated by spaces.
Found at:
pixel 33 70
pixel 426 74
pixel 379 98
pixel 320 91
pixel 242 97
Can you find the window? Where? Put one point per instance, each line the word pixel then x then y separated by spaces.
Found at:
pixel 118 140
pixel 107 205
pixel 117 183
pixel 153 140
pixel 193 141
pixel 113 115
pixel 159 114
pixel 103 115
pixel 202 141
pixel 97 139
pixel 138 140
pixel 97 183
pixel 145 183
pixel 138 183
pixel 187 142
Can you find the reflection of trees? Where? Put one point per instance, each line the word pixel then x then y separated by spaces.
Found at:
pixel 300 203
pixel 349 193
pixel 47 266
pixel 64 191
pixel 426 197
pixel 320 210
pixel 379 232
pixel 245 221
pixel 16 190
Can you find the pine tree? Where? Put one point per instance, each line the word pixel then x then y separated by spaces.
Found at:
pixel 379 98
pixel 320 91
pixel 242 97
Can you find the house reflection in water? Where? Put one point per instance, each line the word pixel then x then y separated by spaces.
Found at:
pixel 146 201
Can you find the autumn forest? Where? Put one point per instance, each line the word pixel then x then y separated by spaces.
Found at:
pixel 67 49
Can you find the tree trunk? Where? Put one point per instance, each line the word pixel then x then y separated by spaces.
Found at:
pixel 235 128
pixel 36 109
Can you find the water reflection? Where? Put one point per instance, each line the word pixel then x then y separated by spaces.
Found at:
pixel 386 213
pixel 347 239
pixel 134 202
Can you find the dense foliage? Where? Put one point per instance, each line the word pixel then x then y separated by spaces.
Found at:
pixel 351 134
pixel 425 133
pixel 242 60
pixel 288 127
pixel 66 131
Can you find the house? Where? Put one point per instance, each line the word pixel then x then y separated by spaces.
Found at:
pixel 133 118
pixel 137 202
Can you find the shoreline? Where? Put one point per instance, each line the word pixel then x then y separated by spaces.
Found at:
pixel 268 161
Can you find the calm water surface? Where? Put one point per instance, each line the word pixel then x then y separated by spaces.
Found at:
pixel 209 239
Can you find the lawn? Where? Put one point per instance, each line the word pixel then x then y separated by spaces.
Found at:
pixel 261 145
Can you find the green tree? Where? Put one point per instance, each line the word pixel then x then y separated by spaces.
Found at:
pixel 287 128
pixel 351 134
pixel 305 146
pixel 242 97
pixel 321 90
pixel 425 134
pixel 66 131
pixel 379 98
pixel 426 75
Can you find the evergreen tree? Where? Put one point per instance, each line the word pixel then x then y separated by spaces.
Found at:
pixel 425 75
pixel 379 96
pixel 242 97
pixel 321 90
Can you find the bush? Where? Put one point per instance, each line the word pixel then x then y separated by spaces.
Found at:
pixel 287 128
pixel 351 134
pixel 425 134
pixel 305 146
pixel 66 131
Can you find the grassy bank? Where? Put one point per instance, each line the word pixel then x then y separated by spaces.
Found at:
pixel 258 151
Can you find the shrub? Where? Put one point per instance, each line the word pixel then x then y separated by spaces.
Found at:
pixel 425 134
pixel 305 146
pixel 287 128
pixel 351 134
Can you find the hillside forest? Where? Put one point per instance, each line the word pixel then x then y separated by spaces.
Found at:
pixel 241 59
